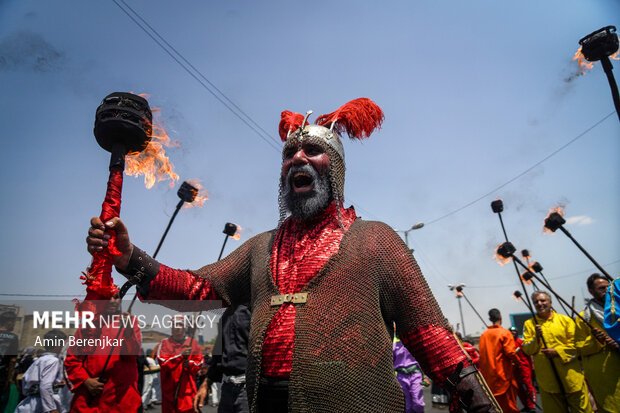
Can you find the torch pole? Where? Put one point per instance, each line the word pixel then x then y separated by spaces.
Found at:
pixel 472 307
pixel 498 211
pixel 163 237
pixel 228 231
pixel 607 67
pixel 222 250
pixel 161 241
pixel 561 304
pixel 601 269
pixel 558 296
pixel 528 307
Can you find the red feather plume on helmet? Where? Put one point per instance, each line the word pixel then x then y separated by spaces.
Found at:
pixel 358 118
pixel 289 123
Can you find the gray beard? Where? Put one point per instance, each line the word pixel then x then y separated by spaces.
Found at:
pixel 308 204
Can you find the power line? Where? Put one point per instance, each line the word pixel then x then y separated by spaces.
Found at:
pixel 521 174
pixel 198 76
pixel 267 137
pixel 573 274
pixel 227 103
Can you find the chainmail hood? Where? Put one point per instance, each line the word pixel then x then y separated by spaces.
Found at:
pixel 358 118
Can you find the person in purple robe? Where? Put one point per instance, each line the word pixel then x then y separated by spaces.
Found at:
pixel 410 377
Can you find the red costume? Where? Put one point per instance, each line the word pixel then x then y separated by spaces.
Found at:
pixel 120 392
pixel 526 390
pixel 473 353
pixel 174 375
pixel 325 290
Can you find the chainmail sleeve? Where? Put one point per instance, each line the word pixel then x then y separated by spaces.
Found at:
pixel 227 280
pixel 408 301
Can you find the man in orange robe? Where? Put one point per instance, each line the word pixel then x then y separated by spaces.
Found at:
pixel 180 359
pixel 497 356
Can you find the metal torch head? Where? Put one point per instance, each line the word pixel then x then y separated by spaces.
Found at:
pixel 599 44
pixel 187 192
pixel 123 118
pixel 525 253
pixel 506 250
pixel 230 229
pixel 527 276
pixel 536 267
pixel 517 294
pixel 459 288
pixel 497 206
pixel 554 221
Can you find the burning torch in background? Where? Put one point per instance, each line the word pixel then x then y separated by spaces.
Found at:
pixel 555 221
pixel 497 207
pixel 190 193
pixel 601 45
pixel 506 251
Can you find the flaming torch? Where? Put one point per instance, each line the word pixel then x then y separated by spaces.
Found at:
pixel 497 207
pixel 599 45
pixel 123 124
pixel 187 193
pixel 555 221
pixel 231 230
pixel 517 295
pixel 507 251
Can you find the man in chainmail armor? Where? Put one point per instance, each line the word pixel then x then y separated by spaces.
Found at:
pixel 324 288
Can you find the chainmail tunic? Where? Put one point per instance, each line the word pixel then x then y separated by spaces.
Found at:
pixel 342 333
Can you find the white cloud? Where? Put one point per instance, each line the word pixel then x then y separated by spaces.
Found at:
pixel 579 220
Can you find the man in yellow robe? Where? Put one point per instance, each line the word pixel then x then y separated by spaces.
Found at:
pixel 600 356
pixel 560 351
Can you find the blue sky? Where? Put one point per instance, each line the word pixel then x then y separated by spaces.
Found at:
pixel 474 94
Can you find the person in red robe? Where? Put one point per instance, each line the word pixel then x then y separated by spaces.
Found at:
pixel 180 359
pixel 526 390
pixel 116 388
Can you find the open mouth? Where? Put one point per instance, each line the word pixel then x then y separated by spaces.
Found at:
pixel 302 182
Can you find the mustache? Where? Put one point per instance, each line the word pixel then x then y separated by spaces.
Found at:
pixel 309 169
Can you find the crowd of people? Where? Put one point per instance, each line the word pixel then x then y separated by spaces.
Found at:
pixel 325 293
pixel 576 363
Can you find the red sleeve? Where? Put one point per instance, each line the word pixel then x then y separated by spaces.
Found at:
pixel 437 351
pixel 227 280
pixel 75 371
pixel 195 359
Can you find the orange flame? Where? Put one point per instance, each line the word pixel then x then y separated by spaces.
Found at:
pixel 458 293
pixel 584 65
pixel 528 282
pixel 560 210
pixel 152 162
pixel 237 234
pixel 201 195
pixel 501 260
